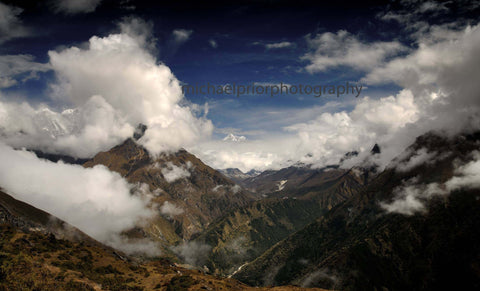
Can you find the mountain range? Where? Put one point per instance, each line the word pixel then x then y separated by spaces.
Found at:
pixel 406 226
pixel 357 245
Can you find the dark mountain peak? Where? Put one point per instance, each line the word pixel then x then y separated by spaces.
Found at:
pixel 139 131
pixel 348 155
pixel 196 193
pixel 376 149
pixel 233 172
pixel 253 173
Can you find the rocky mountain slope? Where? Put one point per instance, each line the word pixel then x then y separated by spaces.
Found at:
pixel 238 176
pixel 328 186
pixel 359 245
pixel 189 194
pixel 245 233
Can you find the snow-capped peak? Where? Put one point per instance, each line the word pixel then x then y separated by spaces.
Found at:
pixel 234 138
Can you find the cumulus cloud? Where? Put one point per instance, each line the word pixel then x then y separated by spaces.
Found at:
pixel 95 200
pixel 81 132
pixel 75 6
pixel 108 87
pixel 328 137
pixel 170 210
pixel 172 173
pixel 441 48
pixel 440 93
pixel 259 154
pixel 330 50
pixel 440 76
pixel 10 24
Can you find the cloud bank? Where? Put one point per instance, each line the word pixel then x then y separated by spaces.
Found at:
pixel 440 93
pixel 95 200
pixel 411 198
pixel 344 49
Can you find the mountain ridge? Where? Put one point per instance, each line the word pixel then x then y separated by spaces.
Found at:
pixel 358 246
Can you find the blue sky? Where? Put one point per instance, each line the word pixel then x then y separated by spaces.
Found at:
pixel 240 31
pixel 396 50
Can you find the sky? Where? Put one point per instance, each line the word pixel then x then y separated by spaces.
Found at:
pixel 78 76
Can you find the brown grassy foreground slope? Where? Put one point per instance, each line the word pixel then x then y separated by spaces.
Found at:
pixel 32 257
pixel 38 261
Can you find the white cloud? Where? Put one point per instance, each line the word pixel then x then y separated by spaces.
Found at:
pixel 422 156
pixel 329 50
pixel 467 176
pixel 81 132
pixel 440 94
pixel 261 151
pixel 250 154
pixel 234 138
pixel 170 210
pixel 13 66
pixel 328 137
pixel 75 6
pixel 111 86
pixel 10 25
pixel 95 200
pixel 437 50
pixel 412 198
pixel 172 173
pixel 181 35
pixel 279 45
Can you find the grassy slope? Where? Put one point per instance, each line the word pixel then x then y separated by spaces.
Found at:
pixel 37 261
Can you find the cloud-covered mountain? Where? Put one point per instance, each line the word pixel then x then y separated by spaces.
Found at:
pixel 185 194
pixel 411 227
